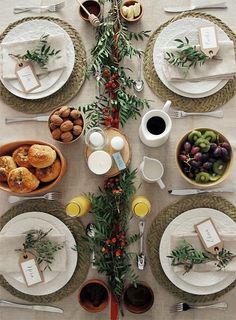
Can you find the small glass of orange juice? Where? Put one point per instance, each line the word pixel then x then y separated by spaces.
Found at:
pixel 141 206
pixel 78 206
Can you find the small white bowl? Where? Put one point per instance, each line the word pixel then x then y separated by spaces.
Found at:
pixel 99 162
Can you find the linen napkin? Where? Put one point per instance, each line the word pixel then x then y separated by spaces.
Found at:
pixel 211 70
pixel 56 42
pixel 229 239
pixel 9 257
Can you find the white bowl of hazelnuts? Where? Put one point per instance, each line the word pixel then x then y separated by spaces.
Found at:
pixel 66 124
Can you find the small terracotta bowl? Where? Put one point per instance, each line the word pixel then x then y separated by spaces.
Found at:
pixel 128 3
pixel 92 6
pixel 215 178
pixel 138 300
pixel 65 127
pixel 9 148
pixel 93 295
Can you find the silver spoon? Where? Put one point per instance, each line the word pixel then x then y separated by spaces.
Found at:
pixel 90 231
pixel 139 84
pixel 141 257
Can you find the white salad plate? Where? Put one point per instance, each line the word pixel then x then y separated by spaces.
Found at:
pixel 52 81
pixel 185 27
pixel 53 280
pixel 200 283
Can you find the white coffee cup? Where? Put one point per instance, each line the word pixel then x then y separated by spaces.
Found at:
pixel 152 171
pixel 155 127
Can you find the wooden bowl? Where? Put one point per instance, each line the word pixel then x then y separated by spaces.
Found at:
pixel 138 300
pixel 92 6
pixel 85 301
pixel 179 163
pixel 75 138
pixel 8 149
pixel 128 3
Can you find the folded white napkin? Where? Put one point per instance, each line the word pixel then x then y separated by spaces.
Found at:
pixel 9 257
pixel 211 70
pixel 229 239
pixel 8 64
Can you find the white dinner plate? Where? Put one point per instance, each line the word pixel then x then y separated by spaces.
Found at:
pixel 54 80
pixel 179 29
pixel 200 283
pixel 61 278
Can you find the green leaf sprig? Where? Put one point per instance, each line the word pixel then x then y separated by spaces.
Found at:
pixel 41 53
pixel 44 250
pixel 187 57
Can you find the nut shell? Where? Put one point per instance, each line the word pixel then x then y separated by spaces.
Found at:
pixel 67 136
pixel 55 119
pixel 66 126
pixel 64 112
pixel 79 122
pixel 77 130
pixel 56 134
pixel 75 114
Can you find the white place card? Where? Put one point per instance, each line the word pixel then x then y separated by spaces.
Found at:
pixel 209 236
pixel 208 40
pixel 26 76
pixel 31 272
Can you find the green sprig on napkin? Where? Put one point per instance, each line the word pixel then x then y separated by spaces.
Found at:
pixel 185 254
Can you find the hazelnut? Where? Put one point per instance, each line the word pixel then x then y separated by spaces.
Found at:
pixel 66 126
pixel 56 134
pixel 57 112
pixel 77 130
pixel 56 119
pixel 79 122
pixel 75 114
pixel 66 136
pixel 64 112
pixel 53 126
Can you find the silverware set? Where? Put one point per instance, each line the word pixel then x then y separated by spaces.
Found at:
pixel 183 306
pixel 48 196
pixel 50 8
pixel 35 307
pixel 178 114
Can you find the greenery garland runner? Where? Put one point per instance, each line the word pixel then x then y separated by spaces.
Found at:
pixel 110 241
pixel 116 102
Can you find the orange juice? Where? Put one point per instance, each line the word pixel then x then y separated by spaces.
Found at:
pixel 141 206
pixel 78 206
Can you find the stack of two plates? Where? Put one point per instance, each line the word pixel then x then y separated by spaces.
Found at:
pixel 179 29
pixel 200 283
pixel 53 280
pixel 52 81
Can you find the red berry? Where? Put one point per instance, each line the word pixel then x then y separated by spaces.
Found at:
pixel 122 243
pixel 113 240
pixel 106 73
pixel 118 253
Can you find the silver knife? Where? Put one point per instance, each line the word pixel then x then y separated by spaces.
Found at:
pixel 182 192
pixel 5 303
pixel 189 8
pixel 38 118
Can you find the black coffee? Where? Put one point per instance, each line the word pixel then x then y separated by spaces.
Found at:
pixel 156 125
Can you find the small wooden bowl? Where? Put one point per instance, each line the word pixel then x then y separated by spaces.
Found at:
pixel 128 3
pixel 92 6
pixel 75 138
pixel 86 303
pixel 179 147
pixel 8 149
pixel 138 306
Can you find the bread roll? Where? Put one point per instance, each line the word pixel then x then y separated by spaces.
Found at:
pixel 20 156
pixel 6 165
pixel 50 173
pixel 21 180
pixel 41 156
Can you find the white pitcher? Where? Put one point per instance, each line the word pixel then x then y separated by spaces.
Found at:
pixel 155 126
pixel 152 171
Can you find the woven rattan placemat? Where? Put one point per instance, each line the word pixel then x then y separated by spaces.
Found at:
pixel 179 102
pixel 158 227
pixel 56 209
pixel 69 89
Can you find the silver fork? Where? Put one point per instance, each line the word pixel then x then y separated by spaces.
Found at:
pixel 51 8
pixel 48 196
pixel 183 306
pixel 177 114
pixel 141 257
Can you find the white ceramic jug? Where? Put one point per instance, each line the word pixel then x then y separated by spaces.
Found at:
pixel 152 171
pixel 155 126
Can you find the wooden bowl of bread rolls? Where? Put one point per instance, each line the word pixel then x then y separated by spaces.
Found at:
pixel 66 124
pixel 30 167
